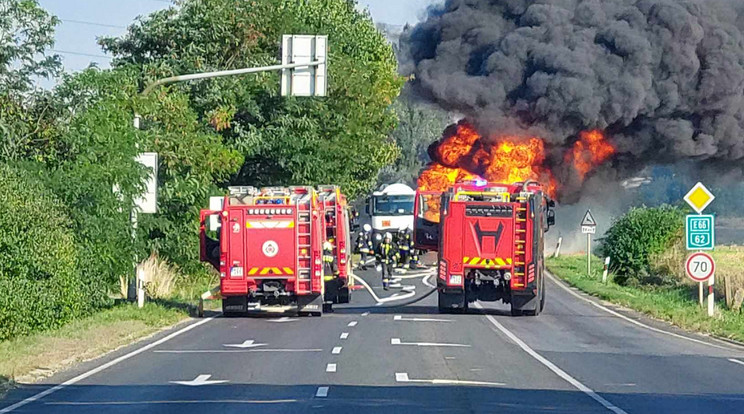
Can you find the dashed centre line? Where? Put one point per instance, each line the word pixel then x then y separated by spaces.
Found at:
pixel 331 368
pixel 336 350
pixel 322 392
pixel 352 323
pixel 344 335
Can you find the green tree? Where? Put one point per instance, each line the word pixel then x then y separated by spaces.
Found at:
pixel 40 282
pixel 341 139
pixel 639 235
pixel 419 125
pixel 26 32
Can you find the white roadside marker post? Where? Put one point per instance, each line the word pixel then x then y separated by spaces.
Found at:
pixel 606 269
pixel 711 295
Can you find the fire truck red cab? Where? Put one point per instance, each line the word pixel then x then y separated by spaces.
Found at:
pixel 267 249
pixel 336 214
pixel 490 240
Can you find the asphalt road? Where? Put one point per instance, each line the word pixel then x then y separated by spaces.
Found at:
pixel 576 357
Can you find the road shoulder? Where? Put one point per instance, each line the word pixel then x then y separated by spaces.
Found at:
pixel 31 359
pixel 656 320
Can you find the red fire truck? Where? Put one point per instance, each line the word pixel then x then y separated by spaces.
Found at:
pixel 336 215
pixel 267 249
pixel 489 238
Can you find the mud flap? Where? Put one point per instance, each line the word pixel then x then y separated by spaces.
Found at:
pixel 234 304
pixel 526 303
pixel 332 287
pixel 451 299
pixel 310 304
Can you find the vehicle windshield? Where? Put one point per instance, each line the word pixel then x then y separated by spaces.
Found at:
pixel 397 205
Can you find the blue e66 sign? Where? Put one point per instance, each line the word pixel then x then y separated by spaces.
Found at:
pixel 700 232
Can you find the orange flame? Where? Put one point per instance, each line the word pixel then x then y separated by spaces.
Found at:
pixel 590 151
pixel 464 156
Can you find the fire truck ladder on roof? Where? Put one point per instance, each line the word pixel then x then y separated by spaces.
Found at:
pixel 303 210
pixel 520 240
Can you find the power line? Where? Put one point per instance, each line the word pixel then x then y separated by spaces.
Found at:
pixel 93 23
pixel 67 52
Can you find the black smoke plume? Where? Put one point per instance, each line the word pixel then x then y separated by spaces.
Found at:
pixel 663 78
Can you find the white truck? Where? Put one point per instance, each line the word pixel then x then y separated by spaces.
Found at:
pixel 390 209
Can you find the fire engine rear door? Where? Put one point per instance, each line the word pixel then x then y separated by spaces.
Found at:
pixel 426 220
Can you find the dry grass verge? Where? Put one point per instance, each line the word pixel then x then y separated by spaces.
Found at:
pixel 31 358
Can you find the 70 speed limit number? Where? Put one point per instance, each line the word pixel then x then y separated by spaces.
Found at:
pixel 700 266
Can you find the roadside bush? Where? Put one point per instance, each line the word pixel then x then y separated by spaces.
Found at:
pixel 637 236
pixel 40 281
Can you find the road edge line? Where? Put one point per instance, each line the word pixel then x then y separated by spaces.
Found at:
pixel 100 368
pixel 561 373
pixel 563 286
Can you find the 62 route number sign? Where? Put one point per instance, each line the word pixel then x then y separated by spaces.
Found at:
pixel 700 266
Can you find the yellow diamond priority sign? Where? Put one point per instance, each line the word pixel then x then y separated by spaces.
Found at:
pixel 699 198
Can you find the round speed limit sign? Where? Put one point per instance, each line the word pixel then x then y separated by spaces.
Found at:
pixel 700 266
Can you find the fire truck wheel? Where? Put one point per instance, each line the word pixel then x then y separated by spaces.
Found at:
pixel 344 295
pixel 452 302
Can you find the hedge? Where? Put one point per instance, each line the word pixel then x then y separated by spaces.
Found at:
pixel 638 235
pixel 40 280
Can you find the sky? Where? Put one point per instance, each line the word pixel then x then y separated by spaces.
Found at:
pixel 85 20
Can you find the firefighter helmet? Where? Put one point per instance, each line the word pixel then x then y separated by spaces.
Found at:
pixel 388 236
pixel 367 228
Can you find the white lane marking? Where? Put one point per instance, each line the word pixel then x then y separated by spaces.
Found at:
pixel 365 314
pixel 336 350
pixel 202 379
pixel 627 384
pixel 476 369
pixel 322 392
pixel 344 335
pixel 352 323
pixel 736 361
pixel 633 321
pixel 403 377
pixel 226 351
pixel 561 373
pixel 100 368
pixel 247 344
pixel 397 341
pixel 331 368
pixel 166 402
pixel 449 358
pixel 401 318
pixel 395 285
pixel 426 282
pixel 283 319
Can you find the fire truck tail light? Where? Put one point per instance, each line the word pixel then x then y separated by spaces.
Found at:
pixel 317 273
pixel 343 251
pixel 455 279
pixel 343 261
pixel 317 261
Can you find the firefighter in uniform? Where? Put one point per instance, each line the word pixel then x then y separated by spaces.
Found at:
pixel 387 252
pixel 404 248
pixel 330 268
pixel 413 254
pixel 364 246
